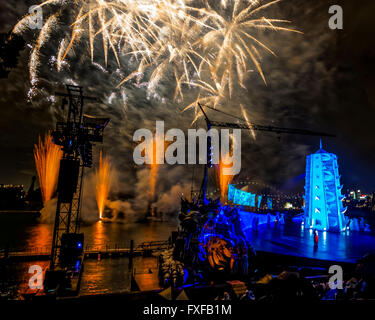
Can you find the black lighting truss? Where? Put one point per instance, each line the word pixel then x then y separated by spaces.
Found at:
pixel 75 135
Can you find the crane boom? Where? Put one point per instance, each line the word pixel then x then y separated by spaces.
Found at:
pixel 259 127
pixel 269 129
pixel 244 125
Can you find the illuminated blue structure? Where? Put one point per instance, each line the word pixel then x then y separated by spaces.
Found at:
pixel 269 203
pixel 240 197
pixel 323 199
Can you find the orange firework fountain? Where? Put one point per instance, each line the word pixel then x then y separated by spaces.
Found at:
pixel 223 179
pixel 103 183
pixel 47 161
pixel 154 168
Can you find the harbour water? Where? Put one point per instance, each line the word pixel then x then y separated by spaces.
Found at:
pixel 108 275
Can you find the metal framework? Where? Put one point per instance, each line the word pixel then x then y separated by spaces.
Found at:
pixel 74 136
pixel 67 219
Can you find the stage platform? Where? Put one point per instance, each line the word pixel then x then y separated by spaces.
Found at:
pixel 291 239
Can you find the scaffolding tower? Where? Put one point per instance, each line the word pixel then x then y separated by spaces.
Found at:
pixel 76 136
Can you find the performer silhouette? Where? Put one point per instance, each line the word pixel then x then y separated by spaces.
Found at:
pixel 316 239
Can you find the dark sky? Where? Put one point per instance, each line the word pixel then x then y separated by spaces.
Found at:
pixel 323 80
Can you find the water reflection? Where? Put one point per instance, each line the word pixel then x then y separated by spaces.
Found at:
pixel 40 236
pixel 103 276
pixel 121 233
pixel 98 230
pixel 33 236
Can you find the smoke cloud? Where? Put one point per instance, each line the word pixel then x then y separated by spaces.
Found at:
pixel 48 213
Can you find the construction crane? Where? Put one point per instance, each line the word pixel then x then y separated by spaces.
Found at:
pixel 279 130
pixel 76 136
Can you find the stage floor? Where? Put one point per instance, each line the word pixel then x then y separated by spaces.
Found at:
pixel 291 239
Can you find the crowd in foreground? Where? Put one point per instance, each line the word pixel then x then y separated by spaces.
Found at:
pixel 292 285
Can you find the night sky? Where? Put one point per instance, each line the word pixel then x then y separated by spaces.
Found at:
pixel 322 80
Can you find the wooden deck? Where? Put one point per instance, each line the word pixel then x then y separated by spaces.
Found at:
pixel 146 274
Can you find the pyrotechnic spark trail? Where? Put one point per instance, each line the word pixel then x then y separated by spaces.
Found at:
pixel 223 179
pixel 251 130
pixel 103 183
pixel 47 161
pixel 35 53
pixel 210 45
pixel 154 168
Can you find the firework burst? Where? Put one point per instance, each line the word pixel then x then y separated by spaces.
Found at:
pixel 232 45
pixel 207 45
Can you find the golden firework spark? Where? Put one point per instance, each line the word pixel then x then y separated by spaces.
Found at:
pixel 47 161
pixel 251 130
pixel 154 169
pixel 210 94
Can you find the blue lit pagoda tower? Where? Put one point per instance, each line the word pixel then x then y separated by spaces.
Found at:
pixel 323 199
